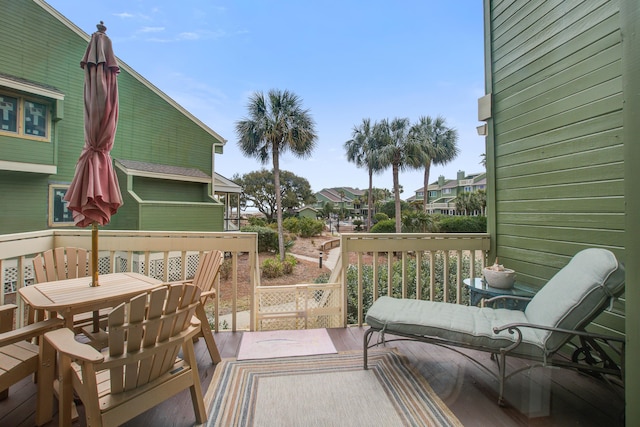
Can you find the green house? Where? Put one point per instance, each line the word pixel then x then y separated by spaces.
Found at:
pixel 442 193
pixel 163 155
pixel 561 113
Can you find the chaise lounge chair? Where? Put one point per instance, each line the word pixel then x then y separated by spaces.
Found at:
pixel 558 313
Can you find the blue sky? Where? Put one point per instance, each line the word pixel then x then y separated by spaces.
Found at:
pixel 347 60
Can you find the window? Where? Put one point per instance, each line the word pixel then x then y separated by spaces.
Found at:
pixel 24 117
pixel 446 191
pixel 8 113
pixel 59 215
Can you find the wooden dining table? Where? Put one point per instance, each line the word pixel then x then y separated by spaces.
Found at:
pixel 73 296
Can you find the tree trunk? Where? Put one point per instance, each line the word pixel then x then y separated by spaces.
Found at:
pixel 425 194
pixel 396 192
pixel 370 199
pixel 276 183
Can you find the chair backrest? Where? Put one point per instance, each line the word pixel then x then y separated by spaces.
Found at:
pixel 576 295
pixel 158 324
pixel 208 269
pixel 61 263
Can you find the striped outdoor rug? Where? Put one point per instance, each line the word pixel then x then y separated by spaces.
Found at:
pixel 324 390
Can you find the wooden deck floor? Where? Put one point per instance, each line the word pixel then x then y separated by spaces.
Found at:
pixel 574 399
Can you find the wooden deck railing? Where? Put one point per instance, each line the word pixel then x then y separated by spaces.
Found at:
pixel 167 256
pixel 404 258
pixel 422 266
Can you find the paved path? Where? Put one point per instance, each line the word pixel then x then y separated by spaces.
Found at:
pixel 329 259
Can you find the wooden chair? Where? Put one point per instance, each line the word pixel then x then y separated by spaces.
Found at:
pixel 140 367
pixel 61 263
pixel 205 278
pixel 18 357
pixel 65 263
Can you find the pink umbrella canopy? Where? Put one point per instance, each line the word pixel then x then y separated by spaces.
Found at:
pixel 94 194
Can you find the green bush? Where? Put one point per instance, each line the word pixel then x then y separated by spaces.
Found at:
pixel 357 223
pixel 289 264
pixel 257 221
pixel 417 222
pixel 310 227
pixel 273 267
pixel 380 216
pixel 396 280
pixel 267 237
pixel 292 225
pixel 384 226
pixel 463 224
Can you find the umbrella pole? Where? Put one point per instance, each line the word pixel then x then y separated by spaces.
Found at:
pixel 94 271
pixel 94 254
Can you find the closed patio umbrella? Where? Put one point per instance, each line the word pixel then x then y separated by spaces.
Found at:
pixel 94 193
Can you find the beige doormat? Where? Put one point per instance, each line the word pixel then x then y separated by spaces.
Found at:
pixel 325 390
pixel 270 344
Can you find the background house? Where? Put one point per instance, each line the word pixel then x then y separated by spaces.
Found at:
pixel 165 155
pixel 561 110
pixel 441 194
pixel 350 200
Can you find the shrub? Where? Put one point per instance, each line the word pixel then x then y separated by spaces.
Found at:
pixel 384 226
pixel 417 222
pixel 308 227
pixel 380 216
pixel 463 224
pixel 272 267
pixel 289 264
pixel 396 282
pixel 257 221
pixel 267 237
pixel 357 225
pixel 292 225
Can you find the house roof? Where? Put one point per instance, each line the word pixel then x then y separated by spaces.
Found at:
pixel 131 71
pixel 153 170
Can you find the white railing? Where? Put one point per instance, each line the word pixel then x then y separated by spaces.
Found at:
pixel 167 256
pixel 423 266
pixel 409 254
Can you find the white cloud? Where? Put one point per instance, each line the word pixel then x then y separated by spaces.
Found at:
pixel 151 29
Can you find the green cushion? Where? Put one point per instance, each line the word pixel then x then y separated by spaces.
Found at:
pixel 576 294
pixel 457 324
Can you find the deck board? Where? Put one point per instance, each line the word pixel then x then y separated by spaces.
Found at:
pixel 469 392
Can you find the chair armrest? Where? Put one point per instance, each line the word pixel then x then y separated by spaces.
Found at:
pixel 515 326
pixel 63 340
pixel 206 294
pixel 6 317
pixel 30 331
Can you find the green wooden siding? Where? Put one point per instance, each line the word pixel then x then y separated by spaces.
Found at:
pixel 556 136
pixel 557 123
pixel 25 191
pixel 42 49
pixel 176 191
pixel 181 217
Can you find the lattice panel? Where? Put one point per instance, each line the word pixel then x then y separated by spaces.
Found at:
pixel 175 269
pixel 280 324
pixel 192 265
pixel 298 307
pixel 10 276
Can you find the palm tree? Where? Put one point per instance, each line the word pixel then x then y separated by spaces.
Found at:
pixel 361 150
pixel 398 151
pixel 276 124
pixel 439 146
